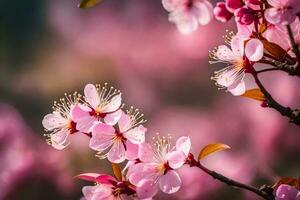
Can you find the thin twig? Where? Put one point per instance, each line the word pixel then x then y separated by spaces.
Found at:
pixel 293 115
pixel 267 70
pixel 264 194
pixel 295 49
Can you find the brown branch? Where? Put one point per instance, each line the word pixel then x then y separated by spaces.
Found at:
pixel 293 115
pixel 295 49
pixel 264 193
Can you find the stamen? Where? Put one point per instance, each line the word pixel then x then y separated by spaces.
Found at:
pixel 64 104
pixel 106 93
pixel 136 117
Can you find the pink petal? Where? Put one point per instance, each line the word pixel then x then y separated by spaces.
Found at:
pixel 131 150
pixel 113 105
pixel 249 82
pixel 98 192
pixel 170 182
pixel 237 45
pixel 97 178
pixel 183 144
pixel 238 89
pixel 113 118
pixel 88 177
pixel 146 153
pixel 124 122
pixel 254 50
pixel 277 3
pixel 176 159
pixel 204 11
pixel 136 135
pixel 85 124
pixel 117 153
pixel 54 120
pixel 186 22
pixel 272 15
pixel 224 53
pixel 171 5
pixel 141 171
pixel 146 189
pixel 80 111
pixel 59 139
pixel 102 137
pixel 91 95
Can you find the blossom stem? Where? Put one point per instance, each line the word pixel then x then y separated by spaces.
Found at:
pixel 295 49
pixel 267 70
pixel 265 194
pixel 293 115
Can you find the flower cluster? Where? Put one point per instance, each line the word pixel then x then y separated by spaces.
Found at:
pixel 119 136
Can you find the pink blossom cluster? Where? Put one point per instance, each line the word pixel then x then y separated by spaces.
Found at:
pixel 118 136
pixel 262 40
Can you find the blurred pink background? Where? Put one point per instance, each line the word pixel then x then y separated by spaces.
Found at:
pixel 50 47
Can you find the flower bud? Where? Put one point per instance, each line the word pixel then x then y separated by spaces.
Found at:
pixel 232 5
pixel 221 13
pixel 244 15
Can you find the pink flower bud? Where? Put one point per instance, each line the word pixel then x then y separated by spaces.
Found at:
pixel 221 13
pixel 232 5
pixel 244 15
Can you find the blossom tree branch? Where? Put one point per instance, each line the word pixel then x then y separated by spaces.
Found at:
pixel 264 192
pixel 292 114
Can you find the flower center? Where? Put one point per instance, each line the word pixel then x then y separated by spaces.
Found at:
pixel 163 168
pixel 72 127
pixel 97 113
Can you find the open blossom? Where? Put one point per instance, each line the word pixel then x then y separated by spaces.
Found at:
pixel 189 14
pixel 287 192
pixel 233 77
pixel 107 188
pixel 122 141
pixel 60 123
pixel 103 105
pixel 282 11
pixel 158 166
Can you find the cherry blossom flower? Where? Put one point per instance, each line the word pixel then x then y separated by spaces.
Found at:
pixel 60 123
pixel 102 104
pixel 189 14
pixel 106 188
pixel 158 166
pixel 233 77
pixel 122 141
pixel 287 192
pixel 282 11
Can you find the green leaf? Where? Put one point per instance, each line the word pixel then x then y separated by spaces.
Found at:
pixel 89 3
pixel 117 171
pixel 211 148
